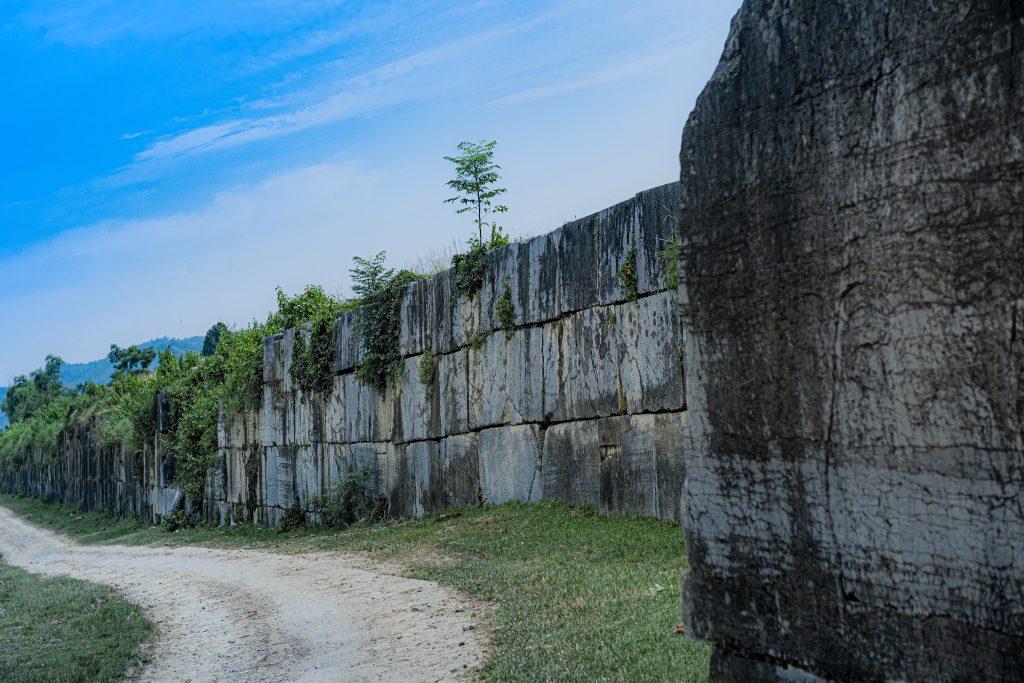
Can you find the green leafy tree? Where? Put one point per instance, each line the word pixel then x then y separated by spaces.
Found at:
pixel 212 338
pixel 476 177
pixel 131 360
pixel 29 395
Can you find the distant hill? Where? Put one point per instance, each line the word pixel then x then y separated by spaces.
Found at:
pixel 99 371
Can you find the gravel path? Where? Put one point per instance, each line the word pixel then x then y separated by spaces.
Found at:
pixel 243 615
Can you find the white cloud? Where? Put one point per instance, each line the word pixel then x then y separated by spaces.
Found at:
pixel 178 274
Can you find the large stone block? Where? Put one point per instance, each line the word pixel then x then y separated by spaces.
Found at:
pixel 273 358
pixel 627 464
pixel 347 348
pixel 453 392
pixel 581 369
pixel 416 333
pixel 369 414
pixel 537 296
pixel 648 354
pixel 506 379
pixel 853 197
pixel 657 212
pixel 579 281
pixel 510 460
pixel 418 405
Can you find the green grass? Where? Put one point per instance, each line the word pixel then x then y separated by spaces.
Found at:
pixel 65 630
pixel 579 596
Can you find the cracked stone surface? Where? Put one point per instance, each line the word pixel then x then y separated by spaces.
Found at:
pixel 853 192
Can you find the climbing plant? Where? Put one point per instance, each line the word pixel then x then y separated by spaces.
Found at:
pixel 626 276
pixel 428 372
pixel 505 310
pixel 378 304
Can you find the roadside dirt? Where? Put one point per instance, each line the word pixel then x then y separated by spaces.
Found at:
pixel 244 615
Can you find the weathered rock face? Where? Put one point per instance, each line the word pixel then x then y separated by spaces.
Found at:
pixel 853 193
pixel 581 401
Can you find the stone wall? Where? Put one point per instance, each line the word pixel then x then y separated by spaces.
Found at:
pixel 92 476
pixel 581 401
pixel 853 190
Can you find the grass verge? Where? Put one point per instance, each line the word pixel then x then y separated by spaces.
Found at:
pixel 580 596
pixel 65 630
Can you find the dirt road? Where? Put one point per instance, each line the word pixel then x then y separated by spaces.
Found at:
pixel 251 616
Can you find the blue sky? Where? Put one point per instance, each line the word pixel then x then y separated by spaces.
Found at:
pixel 169 163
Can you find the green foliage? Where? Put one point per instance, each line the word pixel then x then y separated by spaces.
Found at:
pixel 475 177
pixel 626 276
pixel 476 342
pixel 294 517
pixel 379 302
pixel 428 372
pixel 505 310
pixel 292 311
pixel 212 338
pixel 670 256
pixel 312 363
pixel 471 266
pixel 349 501
pixel 28 395
pixel 131 360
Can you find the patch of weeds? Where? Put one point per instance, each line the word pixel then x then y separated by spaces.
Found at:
pixel 612 319
pixel 353 499
pixel 294 517
pixel 670 256
pixel 626 276
pixel 428 372
pixel 476 342
pixel 471 266
pixel 505 311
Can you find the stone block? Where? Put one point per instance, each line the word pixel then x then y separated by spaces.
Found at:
pixel 418 406
pixel 416 333
pixel 347 348
pixel 581 367
pixel 369 414
pixel 453 392
pixel 578 264
pixel 273 358
pixel 506 379
pixel 539 280
pixel 510 462
pixel 648 357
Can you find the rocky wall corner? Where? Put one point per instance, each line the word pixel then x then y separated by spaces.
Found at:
pixel 581 400
pixel 853 190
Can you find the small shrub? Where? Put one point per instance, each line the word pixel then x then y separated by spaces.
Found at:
pixel 428 372
pixel 294 517
pixel 351 500
pixel 626 276
pixel 477 341
pixel 505 310
pixel 471 266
